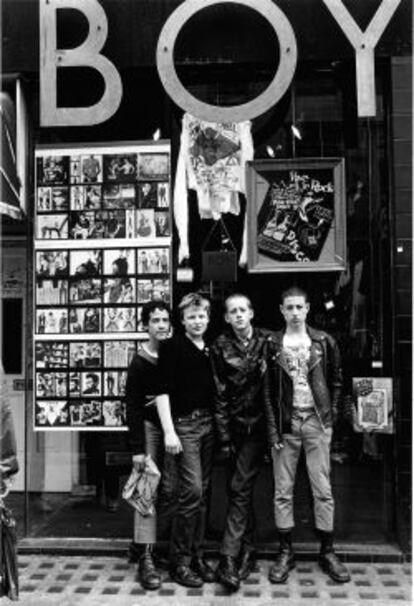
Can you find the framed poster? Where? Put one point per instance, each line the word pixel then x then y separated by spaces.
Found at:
pixel 297 215
pixel 102 249
pixel 374 402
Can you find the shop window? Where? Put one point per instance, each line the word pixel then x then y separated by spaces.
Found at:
pixel 12 332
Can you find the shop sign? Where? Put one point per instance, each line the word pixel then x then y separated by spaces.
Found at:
pixel 219 265
pixel 89 54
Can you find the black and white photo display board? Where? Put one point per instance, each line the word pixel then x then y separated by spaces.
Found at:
pixel 102 248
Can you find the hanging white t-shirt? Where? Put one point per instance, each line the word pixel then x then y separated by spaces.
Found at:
pixel 212 162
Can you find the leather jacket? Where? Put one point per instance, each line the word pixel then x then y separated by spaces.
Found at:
pixel 238 374
pixel 325 380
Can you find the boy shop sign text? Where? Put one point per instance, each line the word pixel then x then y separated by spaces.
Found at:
pixel 88 54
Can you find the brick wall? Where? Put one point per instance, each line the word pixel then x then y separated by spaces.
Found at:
pixel 402 154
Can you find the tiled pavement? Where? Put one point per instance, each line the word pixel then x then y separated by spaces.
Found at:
pixel 47 580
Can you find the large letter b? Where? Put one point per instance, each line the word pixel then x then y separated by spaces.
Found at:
pixel 85 55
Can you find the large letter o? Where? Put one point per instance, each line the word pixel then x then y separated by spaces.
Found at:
pixel 236 113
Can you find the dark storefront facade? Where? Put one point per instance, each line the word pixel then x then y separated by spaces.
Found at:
pixel 366 304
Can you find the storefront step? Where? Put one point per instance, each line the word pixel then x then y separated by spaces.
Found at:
pixel 349 552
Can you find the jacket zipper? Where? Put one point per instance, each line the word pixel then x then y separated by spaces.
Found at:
pixel 318 361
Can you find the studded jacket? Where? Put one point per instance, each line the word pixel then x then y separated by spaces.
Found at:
pixel 238 374
pixel 325 380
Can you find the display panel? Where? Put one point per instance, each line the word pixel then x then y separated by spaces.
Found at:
pixel 297 215
pixel 102 249
pixel 374 404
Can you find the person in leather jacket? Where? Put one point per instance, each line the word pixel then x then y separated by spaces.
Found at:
pixel 238 359
pixel 302 392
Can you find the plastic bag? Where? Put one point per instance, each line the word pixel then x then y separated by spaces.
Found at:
pixel 141 488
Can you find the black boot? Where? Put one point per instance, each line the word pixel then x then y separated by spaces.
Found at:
pixel 285 560
pixel 329 561
pixel 181 573
pixel 227 573
pixel 134 551
pixel 247 564
pixel 203 569
pixel 149 577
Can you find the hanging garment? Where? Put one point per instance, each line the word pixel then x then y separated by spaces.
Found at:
pixel 211 161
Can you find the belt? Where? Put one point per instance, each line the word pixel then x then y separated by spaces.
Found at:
pixel 195 414
pixel 303 408
pixel 243 425
pixel 305 411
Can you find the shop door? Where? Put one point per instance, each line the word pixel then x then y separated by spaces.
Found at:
pixel 43 450
pixel 13 310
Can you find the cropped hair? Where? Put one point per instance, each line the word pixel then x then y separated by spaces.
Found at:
pixel 294 291
pixel 237 295
pixel 150 307
pixel 193 299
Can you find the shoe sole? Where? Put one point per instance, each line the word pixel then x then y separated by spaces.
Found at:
pixel 150 587
pixel 225 583
pixel 332 576
pixel 291 566
pixel 183 584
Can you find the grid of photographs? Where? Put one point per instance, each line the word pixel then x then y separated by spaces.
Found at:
pixel 98 290
pixel 103 195
pixel 88 296
pixel 81 384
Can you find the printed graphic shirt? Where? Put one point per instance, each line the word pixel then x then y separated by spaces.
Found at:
pixel 212 162
pixel 297 360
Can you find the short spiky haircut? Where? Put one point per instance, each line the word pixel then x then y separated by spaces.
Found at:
pixel 237 295
pixel 193 299
pixel 294 291
pixel 150 307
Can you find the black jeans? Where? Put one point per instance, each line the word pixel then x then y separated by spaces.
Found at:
pixel 240 522
pixel 194 466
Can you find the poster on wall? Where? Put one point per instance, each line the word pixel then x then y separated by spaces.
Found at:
pixel 102 249
pixel 374 403
pixel 296 215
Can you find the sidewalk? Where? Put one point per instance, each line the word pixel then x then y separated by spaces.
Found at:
pixel 47 580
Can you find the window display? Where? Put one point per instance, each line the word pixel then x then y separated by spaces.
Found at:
pixel 374 402
pixel 107 211
pixel 297 215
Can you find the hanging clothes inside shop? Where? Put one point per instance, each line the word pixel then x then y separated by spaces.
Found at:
pixel 212 162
